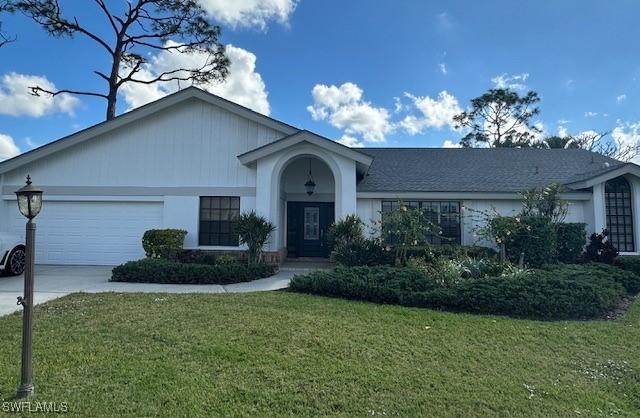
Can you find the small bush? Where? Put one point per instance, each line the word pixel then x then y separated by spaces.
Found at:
pixel 600 249
pixel 534 236
pixel 555 292
pixel 162 271
pixel 571 239
pixel 350 228
pixel 461 251
pixel 227 260
pixel 163 243
pixel 362 252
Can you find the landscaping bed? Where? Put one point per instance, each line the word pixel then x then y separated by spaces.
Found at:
pixel 555 292
pixel 152 270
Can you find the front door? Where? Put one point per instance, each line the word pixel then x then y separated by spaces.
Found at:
pixel 307 226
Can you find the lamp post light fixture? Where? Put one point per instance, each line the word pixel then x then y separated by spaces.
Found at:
pixel 30 204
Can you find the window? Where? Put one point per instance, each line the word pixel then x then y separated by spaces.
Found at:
pixel 617 197
pixel 218 218
pixel 445 214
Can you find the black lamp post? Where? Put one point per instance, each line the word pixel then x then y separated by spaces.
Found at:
pixel 29 203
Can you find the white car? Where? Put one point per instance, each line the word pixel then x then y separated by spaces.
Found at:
pixel 12 254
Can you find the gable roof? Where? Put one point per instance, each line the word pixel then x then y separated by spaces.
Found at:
pixel 306 136
pixel 480 170
pixel 139 113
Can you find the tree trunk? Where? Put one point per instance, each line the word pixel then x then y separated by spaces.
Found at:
pixel 112 97
pixel 111 103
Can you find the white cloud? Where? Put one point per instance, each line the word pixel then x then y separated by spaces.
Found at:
pixel 344 108
pixel 590 114
pixel 563 121
pixel 350 141
pixel 627 134
pixel 249 13
pixel 435 113
pixel 562 131
pixel 513 82
pixel 621 98
pixel 8 147
pixel 16 98
pixel 443 68
pixel 243 85
pixel 450 144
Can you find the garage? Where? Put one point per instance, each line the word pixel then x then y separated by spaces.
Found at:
pixel 91 233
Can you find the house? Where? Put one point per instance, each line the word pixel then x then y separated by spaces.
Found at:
pixel 194 161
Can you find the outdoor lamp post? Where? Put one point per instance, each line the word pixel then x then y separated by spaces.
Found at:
pixel 29 203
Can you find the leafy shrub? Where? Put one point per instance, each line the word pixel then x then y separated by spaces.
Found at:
pixel 227 260
pixel 571 239
pixel 362 252
pixel 196 257
pixel 531 235
pixel 556 292
pixel 163 243
pixel 600 249
pixel 404 228
pixel 254 231
pixel 461 251
pixel 629 263
pixel 151 270
pixel 350 228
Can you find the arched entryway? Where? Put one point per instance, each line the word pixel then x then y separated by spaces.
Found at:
pixel 619 214
pixel 307 205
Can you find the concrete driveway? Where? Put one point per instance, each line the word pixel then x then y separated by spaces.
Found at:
pixel 56 281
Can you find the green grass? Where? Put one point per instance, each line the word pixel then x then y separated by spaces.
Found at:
pixel 280 353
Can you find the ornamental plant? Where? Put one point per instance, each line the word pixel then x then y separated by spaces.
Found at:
pixel 254 231
pixel 404 228
pixel 345 230
pixel 163 243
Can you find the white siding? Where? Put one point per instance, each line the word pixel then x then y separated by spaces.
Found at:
pixel 191 144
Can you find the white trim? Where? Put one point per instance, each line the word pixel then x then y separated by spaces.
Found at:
pixel 460 195
pixel 139 113
pixel 628 168
pixel 252 156
pixel 629 253
pixel 139 191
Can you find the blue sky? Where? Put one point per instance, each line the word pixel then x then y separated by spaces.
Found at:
pixel 374 73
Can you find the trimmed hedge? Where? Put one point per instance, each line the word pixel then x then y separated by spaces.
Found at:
pixel 571 239
pixel 557 292
pixel 151 270
pixel 628 262
pixel 534 236
pixel 361 252
pixel 163 243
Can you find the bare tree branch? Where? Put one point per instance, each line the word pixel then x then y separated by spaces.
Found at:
pixel 36 91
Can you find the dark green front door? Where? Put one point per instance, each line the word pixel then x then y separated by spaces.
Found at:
pixel 307 226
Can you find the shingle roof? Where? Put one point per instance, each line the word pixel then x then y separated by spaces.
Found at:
pixel 477 170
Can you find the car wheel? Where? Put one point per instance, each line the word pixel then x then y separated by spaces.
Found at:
pixel 16 262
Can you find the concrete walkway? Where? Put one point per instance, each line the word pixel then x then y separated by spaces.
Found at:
pixel 56 281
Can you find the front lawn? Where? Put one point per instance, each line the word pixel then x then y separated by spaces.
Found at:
pixel 282 353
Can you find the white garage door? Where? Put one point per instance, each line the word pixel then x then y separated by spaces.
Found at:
pixel 92 233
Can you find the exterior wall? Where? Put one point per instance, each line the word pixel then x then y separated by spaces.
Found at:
pixel 191 144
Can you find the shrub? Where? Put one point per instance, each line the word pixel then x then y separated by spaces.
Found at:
pixel 350 228
pixel 533 236
pixel 362 252
pixel 404 228
pixel 556 292
pixel 254 231
pixel 196 257
pixel 600 249
pixel 163 243
pixel 227 260
pixel 571 239
pixel 162 271
pixel 629 263
pixel 461 251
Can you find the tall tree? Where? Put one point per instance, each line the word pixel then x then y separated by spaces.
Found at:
pixel 5 38
pixel 558 142
pixel 138 26
pixel 602 143
pixel 500 118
